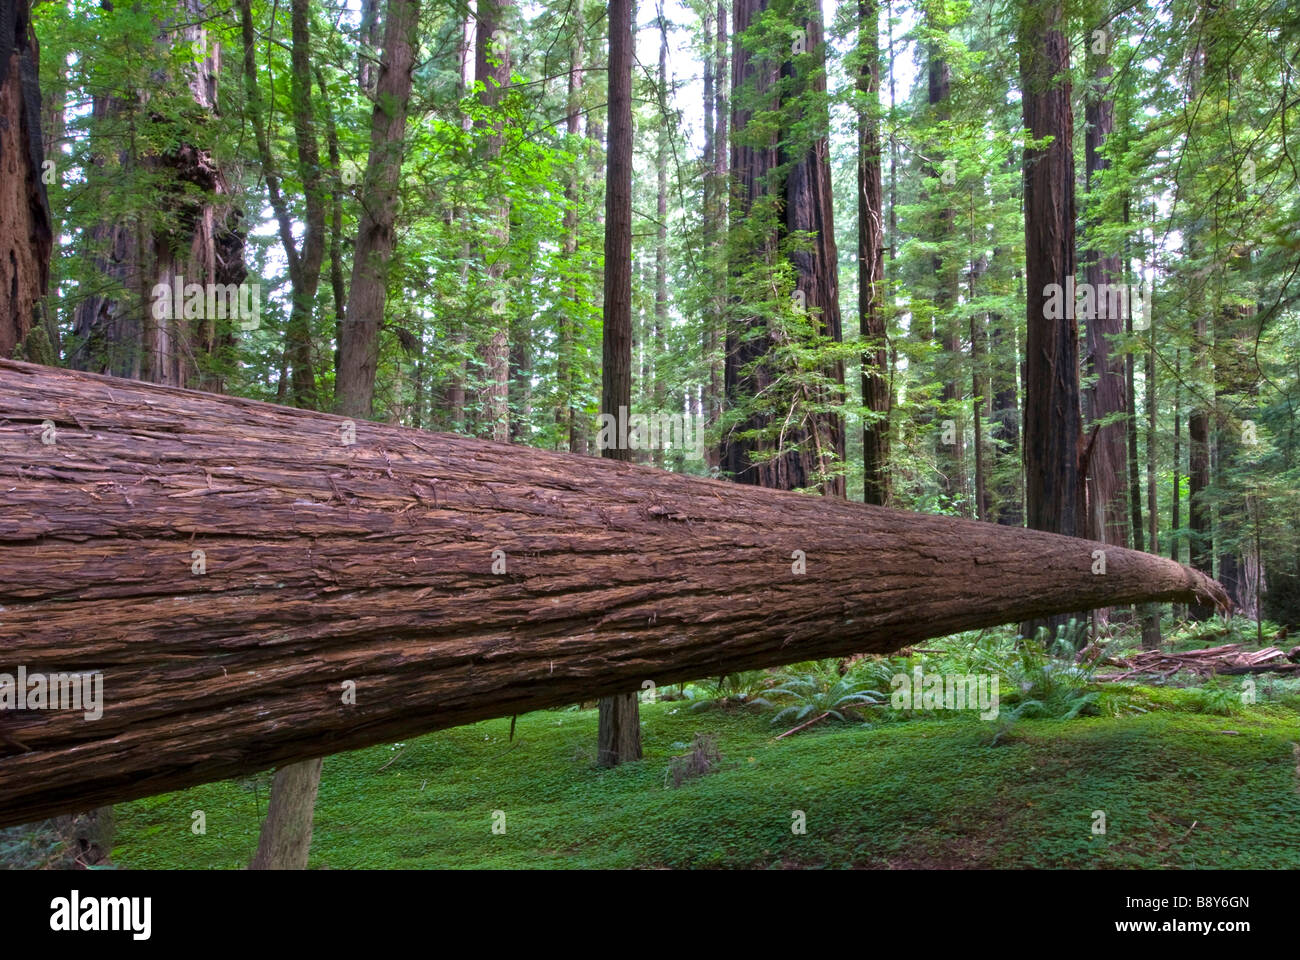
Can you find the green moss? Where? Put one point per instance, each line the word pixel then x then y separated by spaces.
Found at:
pixel 917 793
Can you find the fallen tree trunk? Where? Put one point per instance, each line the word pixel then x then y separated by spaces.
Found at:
pixel 255 586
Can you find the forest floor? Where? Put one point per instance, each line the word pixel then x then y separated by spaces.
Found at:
pixel 1179 788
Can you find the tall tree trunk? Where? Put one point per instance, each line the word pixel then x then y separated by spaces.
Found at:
pixel 305 263
pixel 871 262
pixel 460 215
pixel 26 238
pixel 813 447
pixel 285 839
pixel 137 332
pixel 619 734
pixel 338 286
pixel 368 292
pixel 1175 509
pixel 661 234
pixel 492 69
pixel 566 360
pixel 945 322
pixel 1108 396
pixel 715 213
pixel 1200 519
pixel 1052 427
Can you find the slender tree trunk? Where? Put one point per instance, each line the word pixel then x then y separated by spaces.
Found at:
pixel 945 323
pixel 715 213
pixel 368 292
pixel 721 115
pixel 1176 516
pixel 619 733
pixel 460 215
pixel 661 234
pixel 566 359
pixel 1108 397
pixel 305 264
pixel 495 76
pixel 338 285
pixel 1200 519
pixel 871 263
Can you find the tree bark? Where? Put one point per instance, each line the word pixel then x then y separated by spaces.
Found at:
pixel 1109 395
pixel 330 564
pixel 661 234
pixel 368 293
pixel 492 69
pixel 304 264
pixel 285 840
pixel 619 733
pixel 567 409
pixel 1052 425
pixel 26 237
pixel 945 323
pixel 198 241
pixel 795 166
pixel 871 262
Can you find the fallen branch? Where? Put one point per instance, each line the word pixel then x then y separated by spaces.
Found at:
pixel 804 725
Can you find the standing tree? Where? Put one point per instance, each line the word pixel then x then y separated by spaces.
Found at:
pixel 1107 399
pixel 304 262
pixel 492 70
pixel 871 262
pixel 368 294
pixel 1052 424
pixel 25 235
pixel 782 385
pixel 619 736
pixel 172 223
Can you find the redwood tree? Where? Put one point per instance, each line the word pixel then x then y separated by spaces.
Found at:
pixel 782 188
pixel 619 735
pixel 1052 424
pixel 871 261
pixel 25 235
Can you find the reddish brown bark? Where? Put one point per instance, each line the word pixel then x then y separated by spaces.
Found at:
pixel 371 563
pixel 1052 428
pixel 619 732
pixel 25 234
pixel 1052 448
pixel 797 167
pixel 871 262
pixel 1108 463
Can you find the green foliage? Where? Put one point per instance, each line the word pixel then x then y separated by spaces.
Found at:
pixel 818 692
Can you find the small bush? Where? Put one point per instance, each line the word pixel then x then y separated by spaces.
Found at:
pixel 701 759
